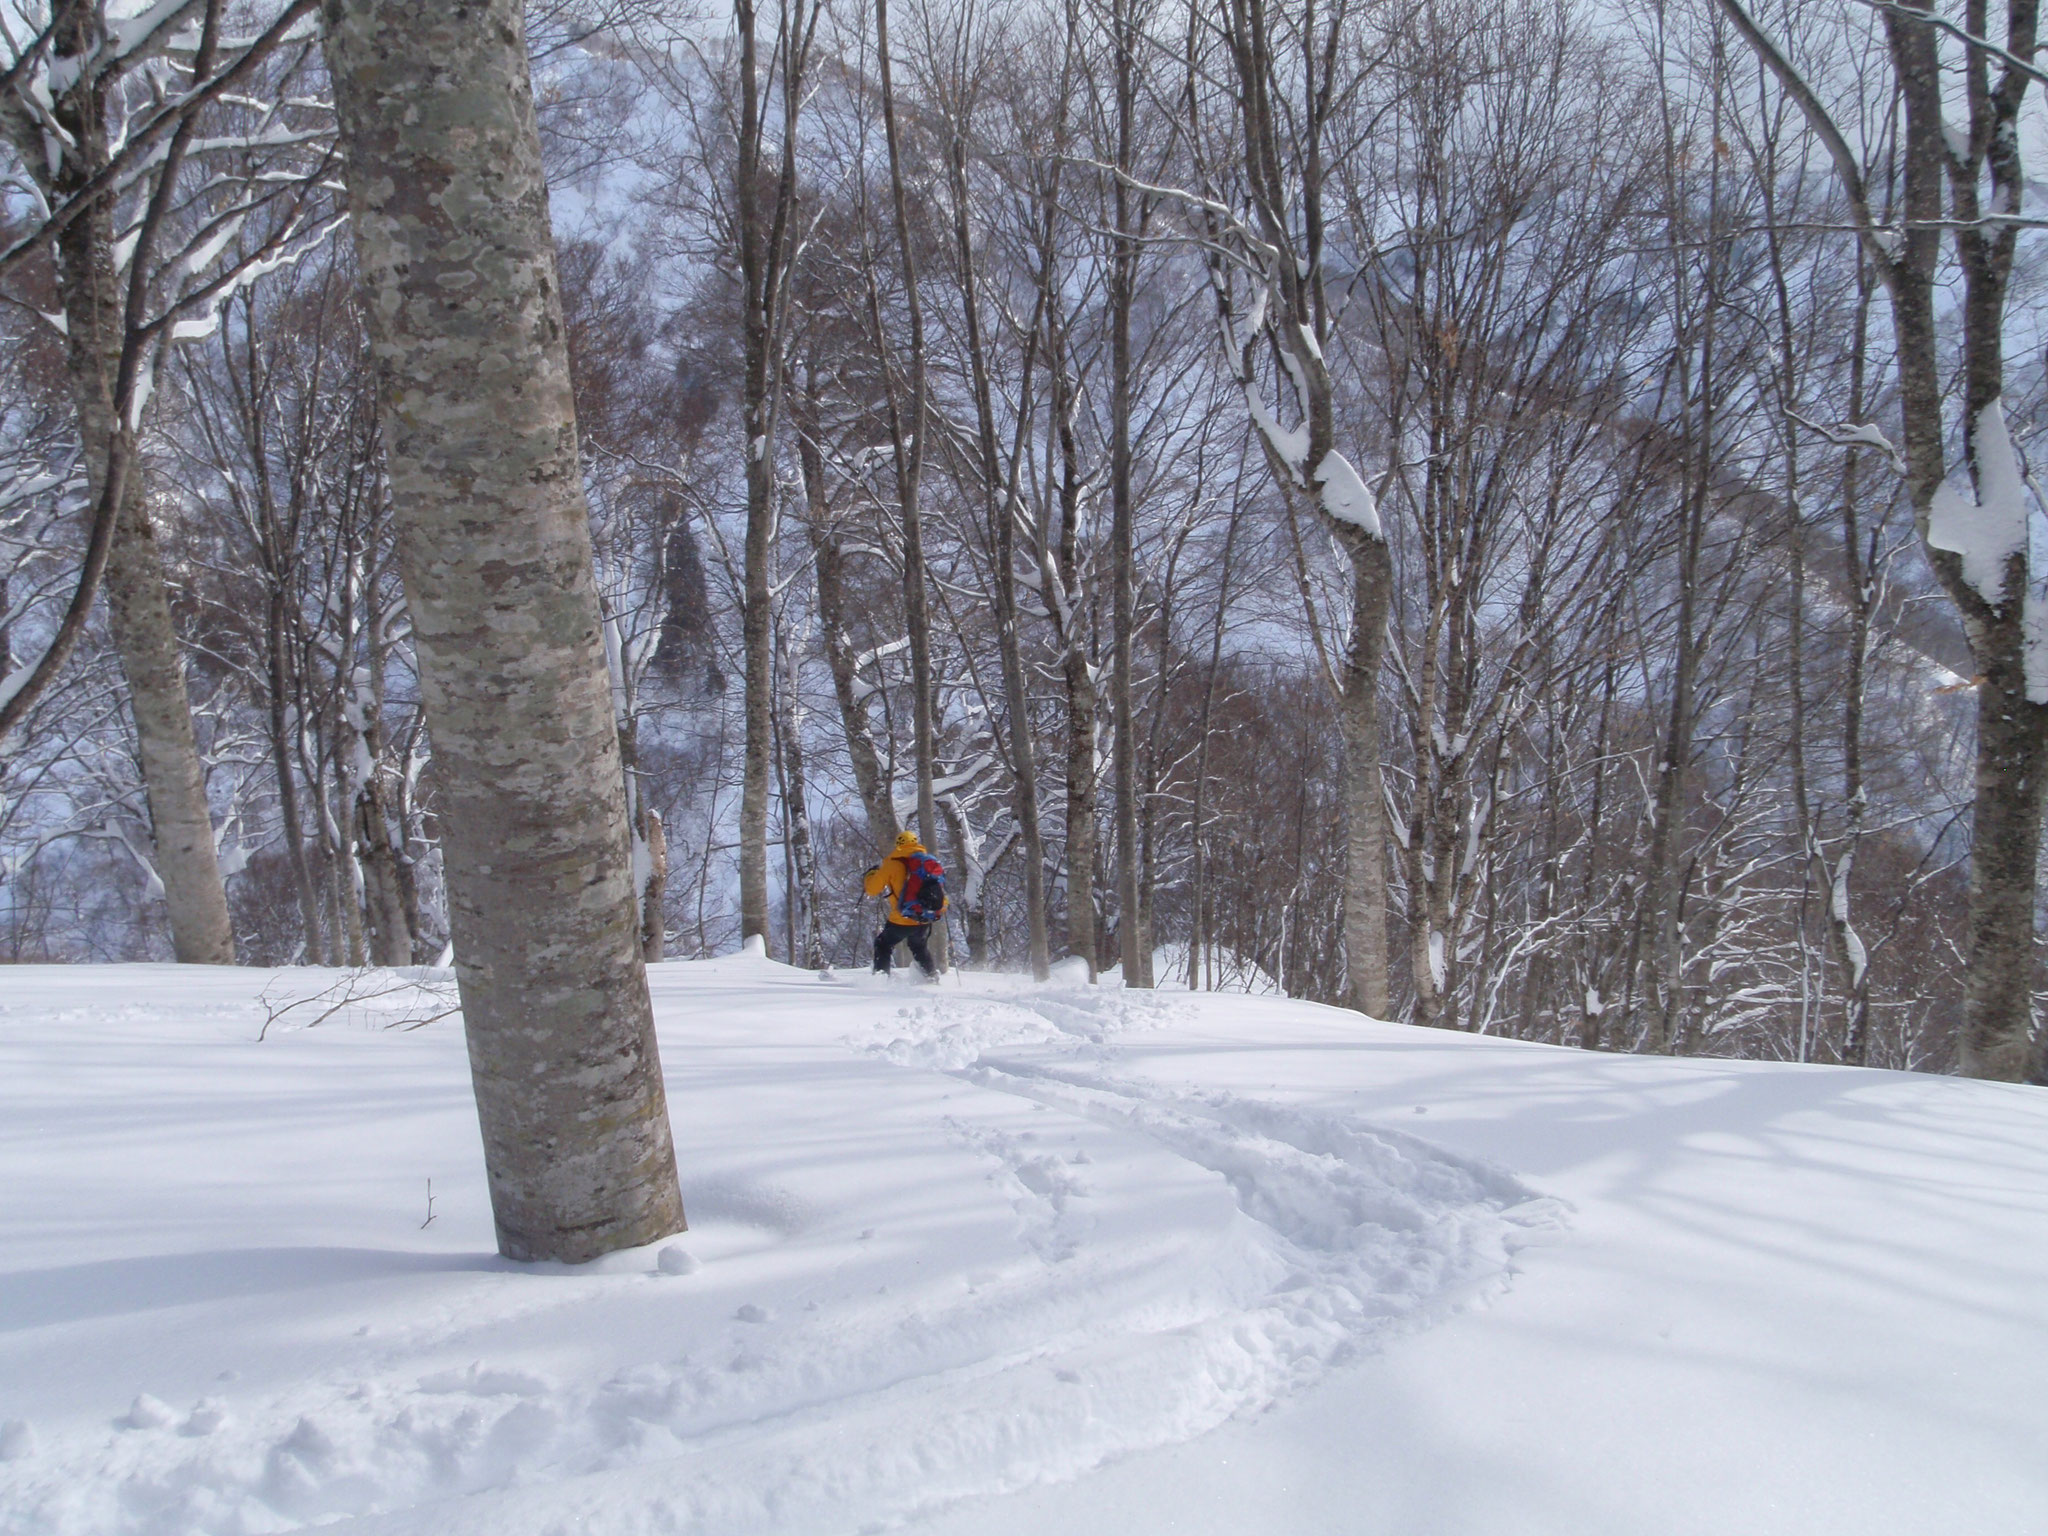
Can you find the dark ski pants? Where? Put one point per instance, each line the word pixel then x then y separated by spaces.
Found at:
pixel 914 934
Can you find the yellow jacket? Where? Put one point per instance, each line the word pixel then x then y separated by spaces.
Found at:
pixel 889 877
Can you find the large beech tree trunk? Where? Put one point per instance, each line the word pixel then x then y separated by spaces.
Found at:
pixel 457 264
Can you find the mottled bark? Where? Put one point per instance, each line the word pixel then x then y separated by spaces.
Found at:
pixel 967 891
pixel 456 261
pixel 650 845
pixel 758 266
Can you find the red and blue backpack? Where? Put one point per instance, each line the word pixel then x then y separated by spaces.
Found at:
pixel 923 897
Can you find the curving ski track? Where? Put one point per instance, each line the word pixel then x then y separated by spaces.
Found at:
pixel 1048 1265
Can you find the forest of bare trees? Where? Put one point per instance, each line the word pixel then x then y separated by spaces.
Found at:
pixel 1513 515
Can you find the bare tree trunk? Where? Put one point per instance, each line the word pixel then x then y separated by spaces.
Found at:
pixel 766 237
pixel 390 933
pixel 1083 715
pixel 1198 931
pixel 757 664
pixel 999 500
pixel 383 847
pixel 139 614
pixel 650 843
pixel 909 439
pixel 1123 275
pixel 450 210
pixel 806 941
pixel 346 868
pixel 1855 800
pixel 1663 986
pixel 278 719
pixel 1077 671
pixel 1281 146
pixel 869 780
pixel 1833 875
pixel 653 920
pixel 1592 1034
pixel 1365 816
pixel 138 607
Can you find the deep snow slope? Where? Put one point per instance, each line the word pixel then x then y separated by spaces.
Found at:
pixel 990 1258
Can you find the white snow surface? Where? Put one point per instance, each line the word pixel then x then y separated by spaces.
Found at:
pixel 996 1258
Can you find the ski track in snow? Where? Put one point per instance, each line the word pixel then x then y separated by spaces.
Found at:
pixel 1181 1259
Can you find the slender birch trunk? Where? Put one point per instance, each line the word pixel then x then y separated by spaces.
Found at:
pixel 456 261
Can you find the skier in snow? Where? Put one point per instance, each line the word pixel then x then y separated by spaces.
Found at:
pixel 914 882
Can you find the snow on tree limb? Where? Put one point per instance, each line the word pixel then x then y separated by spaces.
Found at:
pixel 1855 434
pixel 1987 528
pixel 141 141
pixel 1344 496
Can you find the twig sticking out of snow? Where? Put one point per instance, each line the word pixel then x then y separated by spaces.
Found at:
pixel 428 997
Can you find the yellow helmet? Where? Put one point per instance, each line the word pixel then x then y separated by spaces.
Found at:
pixel 905 841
